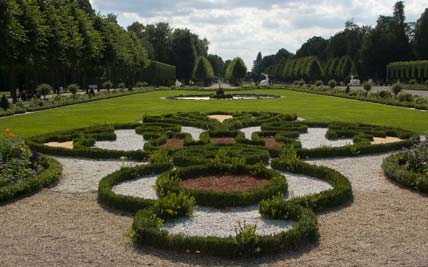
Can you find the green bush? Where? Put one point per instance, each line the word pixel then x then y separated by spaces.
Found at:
pixel 4 103
pixel 141 84
pixel 236 71
pixel 367 86
pixel 332 84
pixel 396 88
pixel 405 97
pixel 174 205
pixel 44 89
pixel 73 89
pixel 108 85
pixel 121 86
pixel 158 73
pixel 319 83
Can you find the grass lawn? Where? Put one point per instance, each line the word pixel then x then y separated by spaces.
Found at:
pixel 5 93
pixel 132 108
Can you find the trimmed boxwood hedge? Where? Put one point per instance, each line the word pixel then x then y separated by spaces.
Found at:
pixel 340 194
pixel 28 186
pixel 277 184
pixel 107 197
pixel 393 167
pixel 147 231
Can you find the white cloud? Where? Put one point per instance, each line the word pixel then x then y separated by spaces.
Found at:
pixel 243 28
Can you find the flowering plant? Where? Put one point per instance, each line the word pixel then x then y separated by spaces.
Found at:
pixel 17 162
pixel 416 158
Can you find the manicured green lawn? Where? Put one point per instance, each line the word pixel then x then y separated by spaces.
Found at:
pixel 132 108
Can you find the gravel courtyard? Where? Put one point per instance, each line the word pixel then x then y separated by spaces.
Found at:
pixel 385 226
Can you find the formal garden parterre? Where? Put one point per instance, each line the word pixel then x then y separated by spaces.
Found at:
pixel 160 218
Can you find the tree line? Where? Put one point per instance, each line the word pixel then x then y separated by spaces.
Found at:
pixel 361 50
pixel 65 41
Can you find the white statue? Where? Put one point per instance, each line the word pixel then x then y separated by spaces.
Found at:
pixel 354 82
pixel 265 82
pixel 178 83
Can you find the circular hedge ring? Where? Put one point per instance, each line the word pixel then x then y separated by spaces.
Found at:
pixel 172 182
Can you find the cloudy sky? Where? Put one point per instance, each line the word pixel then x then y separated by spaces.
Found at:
pixel 243 28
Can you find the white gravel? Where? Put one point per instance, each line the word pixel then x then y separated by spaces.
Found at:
pixel 142 188
pixel 194 132
pixel 83 175
pixel 315 138
pixel 223 222
pixel 300 119
pixel 127 140
pixel 301 185
pixel 365 172
pixel 250 130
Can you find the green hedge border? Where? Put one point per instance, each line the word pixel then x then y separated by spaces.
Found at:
pixel 393 170
pixel 277 185
pixel 28 186
pixel 107 197
pixel 147 232
pixel 340 194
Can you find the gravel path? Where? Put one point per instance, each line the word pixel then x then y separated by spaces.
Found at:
pixel 194 132
pixel 83 175
pixel 301 185
pixel 224 222
pixel 127 140
pixel 250 130
pixel 142 188
pixel 384 226
pixel 365 172
pixel 315 138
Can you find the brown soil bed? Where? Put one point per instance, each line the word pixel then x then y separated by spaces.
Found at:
pixel 223 140
pixel 270 142
pixel 68 144
pixel 386 140
pixel 220 118
pixel 173 143
pixel 224 183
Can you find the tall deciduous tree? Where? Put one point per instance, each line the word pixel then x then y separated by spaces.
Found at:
pixel 184 53
pixel 421 36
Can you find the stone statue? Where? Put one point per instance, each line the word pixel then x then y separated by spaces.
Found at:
pixel 178 83
pixel 265 82
pixel 354 82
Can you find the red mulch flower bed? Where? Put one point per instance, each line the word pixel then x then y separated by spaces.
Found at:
pixel 223 140
pixel 173 143
pixel 224 183
pixel 270 142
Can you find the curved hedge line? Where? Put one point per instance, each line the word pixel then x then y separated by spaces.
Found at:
pixel 107 197
pixel 27 186
pixel 171 182
pixel 147 231
pixel 393 167
pixel 340 194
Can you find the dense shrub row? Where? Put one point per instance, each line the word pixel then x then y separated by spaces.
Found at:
pixel 382 97
pixel 408 70
pixel 158 73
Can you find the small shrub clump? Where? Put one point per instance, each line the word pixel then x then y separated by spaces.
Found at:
pixel 332 84
pixel 4 103
pixel 44 89
pixel 367 86
pixel 396 88
pixel 108 85
pixel 73 89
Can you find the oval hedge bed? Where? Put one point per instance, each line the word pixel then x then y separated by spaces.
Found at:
pixel 31 185
pixel 171 182
pixel 396 167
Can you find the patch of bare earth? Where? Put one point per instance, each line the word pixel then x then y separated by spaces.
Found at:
pixel 220 118
pixel 386 140
pixel 224 183
pixel 68 145
pixel 270 142
pixel 385 225
pixel 223 140
pixel 173 143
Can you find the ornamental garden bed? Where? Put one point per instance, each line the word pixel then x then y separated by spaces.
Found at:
pixel 409 168
pixel 191 182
